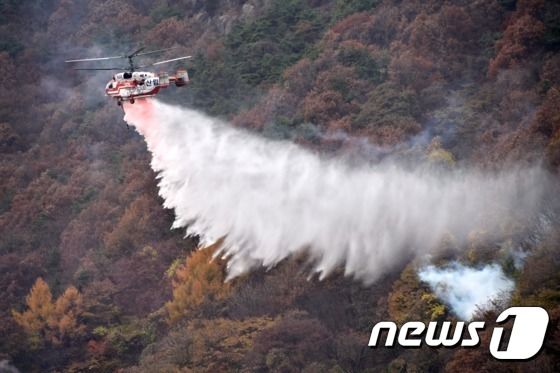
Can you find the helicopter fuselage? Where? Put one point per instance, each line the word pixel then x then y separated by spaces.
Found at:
pixel 128 86
pixel 130 83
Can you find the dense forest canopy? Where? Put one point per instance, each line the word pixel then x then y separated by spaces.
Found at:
pixel 92 278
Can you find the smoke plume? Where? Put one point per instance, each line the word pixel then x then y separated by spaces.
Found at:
pixel 460 286
pixel 271 199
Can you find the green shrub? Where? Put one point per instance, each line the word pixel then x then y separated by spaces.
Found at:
pixel 387 104
pixel 13 47
pixel 162 12
pixel 552 24
pixel 347 7
pixel 260 50
pixel 366 66
pixel 508 4
pixel 88 196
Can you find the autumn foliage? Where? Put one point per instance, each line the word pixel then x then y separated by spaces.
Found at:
pixel 454 83
pixel 51 321
pixel 201 278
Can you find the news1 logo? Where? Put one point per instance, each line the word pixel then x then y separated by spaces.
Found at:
pixel 525 341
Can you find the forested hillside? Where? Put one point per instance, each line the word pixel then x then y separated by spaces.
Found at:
pixel 93 279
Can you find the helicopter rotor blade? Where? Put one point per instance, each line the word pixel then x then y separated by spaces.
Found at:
pixel 167 61
pixel 95 59
pixel 103 68
pixel 136 52
pixel 156 51
pixel 132 66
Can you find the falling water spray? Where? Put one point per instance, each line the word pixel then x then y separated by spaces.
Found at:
pixel 271 199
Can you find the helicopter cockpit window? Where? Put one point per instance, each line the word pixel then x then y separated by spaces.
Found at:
pixel 127 75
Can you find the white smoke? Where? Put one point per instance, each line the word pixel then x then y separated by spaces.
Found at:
pixel 271 199
pixel 6 367
pixel 467 289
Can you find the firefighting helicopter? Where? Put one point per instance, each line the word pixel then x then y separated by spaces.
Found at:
pixel 130 84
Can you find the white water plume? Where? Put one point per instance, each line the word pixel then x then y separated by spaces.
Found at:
pixel 271 199
pixel 467 289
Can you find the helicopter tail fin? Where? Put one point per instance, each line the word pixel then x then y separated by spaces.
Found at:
pixel 182 78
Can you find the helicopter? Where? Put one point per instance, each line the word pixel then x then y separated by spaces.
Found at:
pixel 130 83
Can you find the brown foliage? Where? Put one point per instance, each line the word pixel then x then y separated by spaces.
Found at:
pixel 277 103
pixel 269 293
pixel 322 107
pixel 217 345
pixel 62 20
pixel 200 278
pixel 134 228
pixel 412 300
pixel 9 139
pixel 58 142
pixel 85 233
pixel 547 124
pixel 55 322
pixel 473 360
pixel 300 77
pixel 112 14
pixel 349 27
pixel 170 31
pixel 550 74
pixel 413 70
pixel 292 343
pixel 97 348
pixel 520 36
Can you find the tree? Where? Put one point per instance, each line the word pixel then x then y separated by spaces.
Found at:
pixel 548 123
pixel 389 114
pixel 45 320
pixel 135 227
pixel 519 38
pixel 41 309
pixel 169 32
pixel 412 300
pixel 291 343
pixel 9 139
pixel 200 278
pixel 64 322
pixel 321 107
